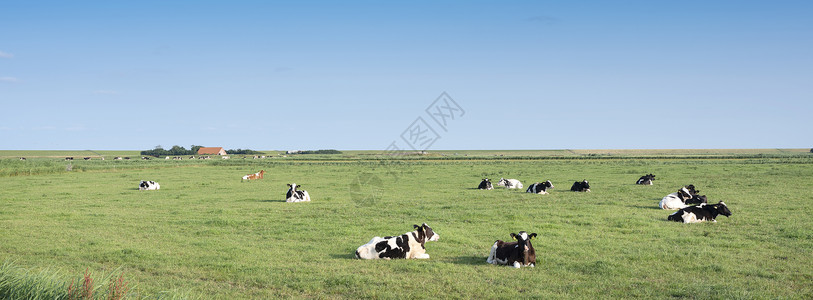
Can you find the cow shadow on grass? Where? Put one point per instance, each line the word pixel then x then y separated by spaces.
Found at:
pixel 350 255
pixel 469 260
pixel 646 206
pixel 271 200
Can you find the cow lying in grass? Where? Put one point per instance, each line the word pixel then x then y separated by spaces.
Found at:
pixel 148 185
pixel 684 197
pixel 700 213
pixel 517 254
pixel 408 245
pixel 510 183
pixel 646 179
pixel 258 175
pixel 296 196
pixel 485 184
pixel 540 188
pixel 583 186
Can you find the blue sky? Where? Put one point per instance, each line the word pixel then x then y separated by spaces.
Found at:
pixel 107 75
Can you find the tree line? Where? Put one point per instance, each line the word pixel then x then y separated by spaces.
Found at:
pixel 180 150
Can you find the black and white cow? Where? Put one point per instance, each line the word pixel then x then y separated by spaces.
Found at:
pixel 294 195
pixel 517 254
pixel 148 185
pixel 700 213
pixel 646 179
pixel 485 184
pixel 540 188
pixel 408 245
pixel 676 200
pixel 510 183
pixel 697 199
pixel 692 190
pixel 583 186
pixel 22 158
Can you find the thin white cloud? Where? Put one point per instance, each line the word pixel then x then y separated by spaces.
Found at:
pixel 9 79
pixel 105 92
pixel 6 55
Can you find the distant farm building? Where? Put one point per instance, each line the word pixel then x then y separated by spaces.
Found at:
pixel 211 151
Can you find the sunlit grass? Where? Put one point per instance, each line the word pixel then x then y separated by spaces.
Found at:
pixel 207 234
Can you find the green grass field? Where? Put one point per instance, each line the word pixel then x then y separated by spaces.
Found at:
pixel 208 235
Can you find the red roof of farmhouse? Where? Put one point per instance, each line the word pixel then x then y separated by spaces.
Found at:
pixel 210 150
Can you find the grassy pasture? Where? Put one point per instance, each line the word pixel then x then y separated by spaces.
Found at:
pixel 207 234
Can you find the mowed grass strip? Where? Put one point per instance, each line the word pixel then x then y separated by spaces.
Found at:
pixel 207 233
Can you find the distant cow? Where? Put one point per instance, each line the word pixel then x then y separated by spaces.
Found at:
pixel 510 183
pixel 258 175
pixel 87 158
pixel 145 158
pixel 582 186
pixel 517 254
pixel 486 184
pixel 22 158
pixel 646 179
pixel 540 188
pixel 118 158
pixel 296 196
pixel 676 200
pixel 408 245
pixel 148 185
pixel 69 158
pixel 700 213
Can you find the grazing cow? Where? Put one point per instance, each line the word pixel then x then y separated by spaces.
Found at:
pixel 408 245
pixel 145 158
pixel 646 179
pixel 87 158
pixel 540 188
pixel 69 158
pixel 148 185
pixel 517 254
pixel 700 213
pixel 583 186
pixel 296 196
pixel 676 200
pixel 22 158
pixel 118 158
pixel 510 183
pixel 258 175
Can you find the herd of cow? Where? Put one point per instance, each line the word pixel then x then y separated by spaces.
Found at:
pixel 692 208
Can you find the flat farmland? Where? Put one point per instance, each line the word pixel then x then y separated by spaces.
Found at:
pixel 207 234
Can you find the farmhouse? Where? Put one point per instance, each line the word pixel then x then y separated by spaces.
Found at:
pixel 211 151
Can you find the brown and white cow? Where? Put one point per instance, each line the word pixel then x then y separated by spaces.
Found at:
pixel 258 175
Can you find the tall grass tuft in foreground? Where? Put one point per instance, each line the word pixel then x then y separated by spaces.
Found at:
pixel 19 283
